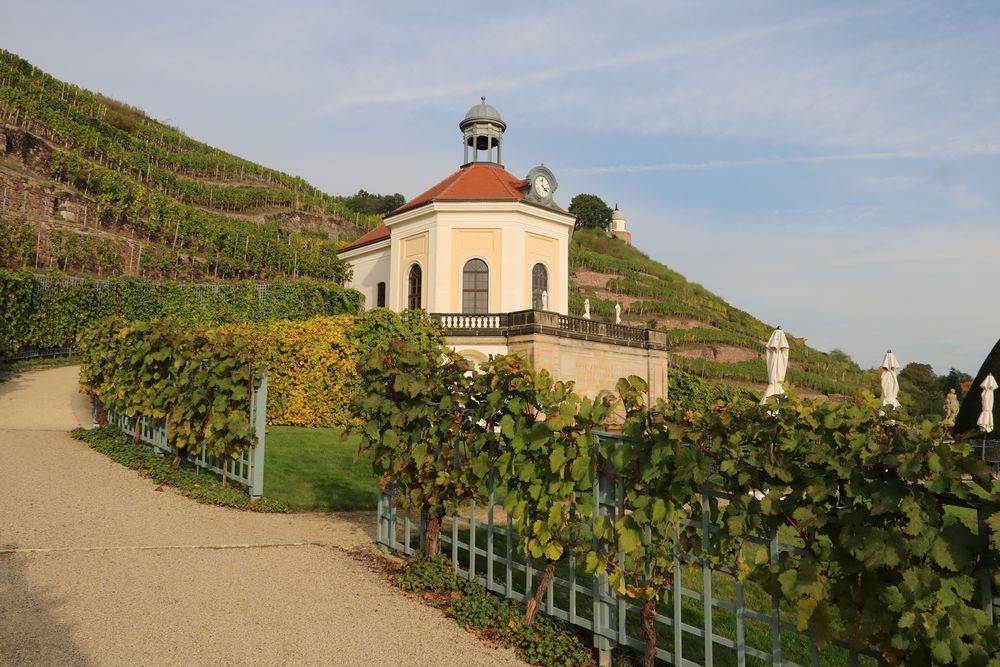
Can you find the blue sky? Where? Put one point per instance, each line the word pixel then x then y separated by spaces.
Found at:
pixel 832 168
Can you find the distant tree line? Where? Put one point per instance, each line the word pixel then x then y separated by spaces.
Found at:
pixel 368 203
pixel 923 392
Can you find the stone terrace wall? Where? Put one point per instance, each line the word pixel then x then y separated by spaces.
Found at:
pixel 594 366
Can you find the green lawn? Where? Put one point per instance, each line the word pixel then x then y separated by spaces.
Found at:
pixel 310 469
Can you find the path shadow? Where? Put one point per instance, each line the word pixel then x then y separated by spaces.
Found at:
pixel 12 383
pixel 365 521
pixel 44 399
pixel 31 632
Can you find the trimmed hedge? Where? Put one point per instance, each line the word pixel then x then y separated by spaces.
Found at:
pixel 48 312
pixel 311 364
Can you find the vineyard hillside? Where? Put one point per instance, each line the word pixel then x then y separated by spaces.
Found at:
pixel 89 185
pixel 708 338
pixel 92 186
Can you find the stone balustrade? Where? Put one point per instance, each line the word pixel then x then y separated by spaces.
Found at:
pixel 541 321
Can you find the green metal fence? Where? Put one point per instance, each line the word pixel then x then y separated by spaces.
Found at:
pixel 711 618
pixel 248 469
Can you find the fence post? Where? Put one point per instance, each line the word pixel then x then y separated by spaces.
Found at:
pixel 603 599
pixel 386 520
pixel 259 411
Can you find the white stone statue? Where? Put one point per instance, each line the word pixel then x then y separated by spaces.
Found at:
pixel 545 299
pixel 950 408
pixel 618 313
pixel 586 309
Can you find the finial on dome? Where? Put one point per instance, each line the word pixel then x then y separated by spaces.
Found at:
pixel 483 98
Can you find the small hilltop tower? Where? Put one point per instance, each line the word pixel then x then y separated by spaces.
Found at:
pixel 619 226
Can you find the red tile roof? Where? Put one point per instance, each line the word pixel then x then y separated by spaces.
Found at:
pixel 380 233
pixel 476 181
pixel 479 181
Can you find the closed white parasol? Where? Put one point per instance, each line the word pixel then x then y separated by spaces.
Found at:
pixel 777 364
pixel 985 421
pixel 890 385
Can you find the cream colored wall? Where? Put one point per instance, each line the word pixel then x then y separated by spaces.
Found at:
pixel 498 232
pixel 466 244
pixel 594 366
pixel 370 266
pixel 544 249
pixel 478 348
pixel 413 249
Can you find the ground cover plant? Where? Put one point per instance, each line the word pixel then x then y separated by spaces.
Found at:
pixel 8 368
pixel 546 642
pixel 197 484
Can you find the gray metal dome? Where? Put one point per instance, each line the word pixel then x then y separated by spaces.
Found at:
pixel 482 112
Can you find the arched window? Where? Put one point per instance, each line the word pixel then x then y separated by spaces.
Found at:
pixel 475 287
pixel 415 281
pixel 539 284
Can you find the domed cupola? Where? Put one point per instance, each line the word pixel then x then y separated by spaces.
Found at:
pixel 482 130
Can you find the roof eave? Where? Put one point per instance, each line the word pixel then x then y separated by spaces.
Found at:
pixel 412 211
pixel 367 246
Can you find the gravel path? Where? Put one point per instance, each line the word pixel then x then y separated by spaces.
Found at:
pixel 98 568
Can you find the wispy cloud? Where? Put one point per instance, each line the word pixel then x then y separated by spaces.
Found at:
pixel 591 62
pixel 667 167
pixel 856 80
pixel 958 195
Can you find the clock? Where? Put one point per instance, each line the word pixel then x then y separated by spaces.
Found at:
pixel 542 187
pixel 541 183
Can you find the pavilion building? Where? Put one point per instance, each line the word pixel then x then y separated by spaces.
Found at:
pixel 486 253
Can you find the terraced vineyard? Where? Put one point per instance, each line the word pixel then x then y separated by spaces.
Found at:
pixel 91 185
pixel 710 339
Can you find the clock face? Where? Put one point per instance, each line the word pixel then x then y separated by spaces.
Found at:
pixel 542 186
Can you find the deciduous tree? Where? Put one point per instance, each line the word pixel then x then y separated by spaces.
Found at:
pixel 590 212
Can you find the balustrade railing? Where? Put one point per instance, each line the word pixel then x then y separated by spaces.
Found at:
pixel 502 323
pixel 463 321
